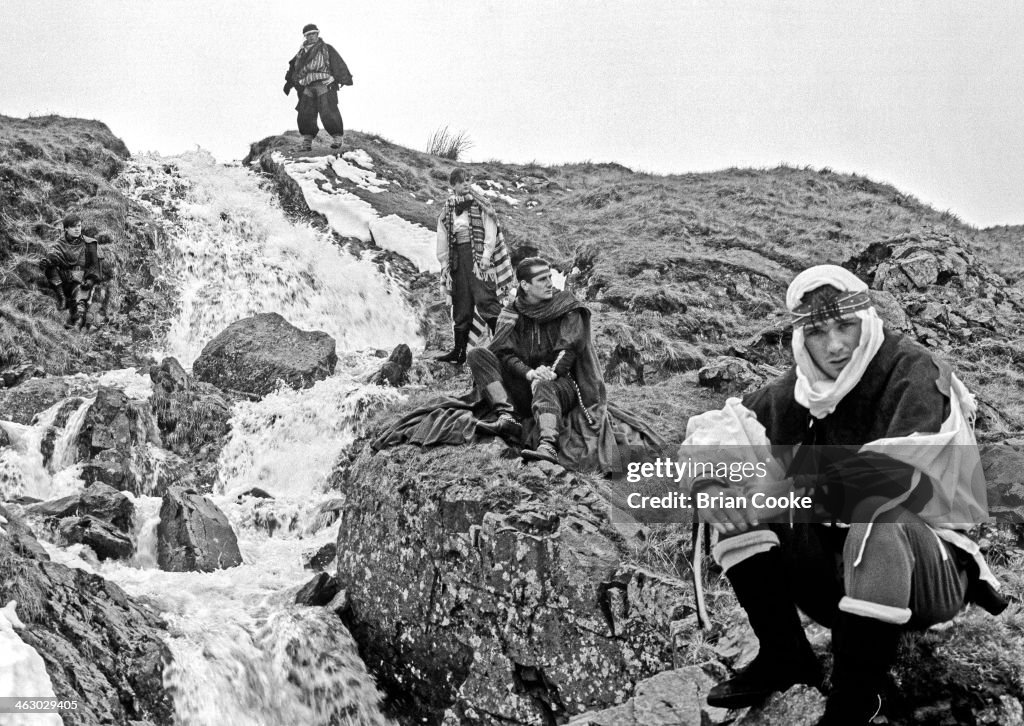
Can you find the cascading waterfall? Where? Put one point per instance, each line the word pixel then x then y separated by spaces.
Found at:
pixel 244 654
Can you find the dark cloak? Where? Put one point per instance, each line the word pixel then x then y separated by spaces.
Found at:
pixel 581 446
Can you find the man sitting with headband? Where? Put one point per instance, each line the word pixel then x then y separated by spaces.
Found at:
pixel 880 434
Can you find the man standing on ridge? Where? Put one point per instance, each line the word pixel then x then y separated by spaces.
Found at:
pixel 475 266
pixel 72 267
pixel 317 72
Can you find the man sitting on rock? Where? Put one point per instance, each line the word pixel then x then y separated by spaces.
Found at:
pixel 72 268
pixel 540 378
pixel 531 365
pixel 880 435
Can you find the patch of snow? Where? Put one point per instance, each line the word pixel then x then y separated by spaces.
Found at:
pixel 360 177
pixel 360 157
pixel 557 279
pixel 351 216
pixel 413 241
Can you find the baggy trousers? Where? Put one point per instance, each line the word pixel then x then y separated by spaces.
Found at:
pixel 316 100
pixel 529 398
pixel 896 570
pixel 469 291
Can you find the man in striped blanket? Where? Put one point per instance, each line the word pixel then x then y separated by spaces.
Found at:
pixel 476 273
pixel 317 72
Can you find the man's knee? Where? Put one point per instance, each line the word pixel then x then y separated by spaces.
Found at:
pixel 481 356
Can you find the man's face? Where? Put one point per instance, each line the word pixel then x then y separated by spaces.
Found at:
pixel 540 287
pixel 831 343
pixel 72 232
pixel 461 187
pixel 311 37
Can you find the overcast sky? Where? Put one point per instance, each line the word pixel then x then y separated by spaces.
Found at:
pixel 924 95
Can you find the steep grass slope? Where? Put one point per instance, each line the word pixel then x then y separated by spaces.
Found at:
pixel 50 166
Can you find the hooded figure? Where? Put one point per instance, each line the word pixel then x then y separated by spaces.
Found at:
pixel 880 435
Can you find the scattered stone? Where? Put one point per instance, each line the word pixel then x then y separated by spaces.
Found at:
pixel 253 354
pixel 101 536
pixel 672 698
pixel 799 706
pixel 726 374
pixel 16 375
pixel 320 558
pixel 193 534
pixel 395 372
pixel 257 493
pixel 317 592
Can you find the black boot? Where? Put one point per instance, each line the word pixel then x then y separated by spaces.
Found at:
pixel 864 650
pixel 507 425
pixel 785 657
pixel 458 354
pixel 547 449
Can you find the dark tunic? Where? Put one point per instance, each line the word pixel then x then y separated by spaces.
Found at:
pixel 903 390
pixel 532 343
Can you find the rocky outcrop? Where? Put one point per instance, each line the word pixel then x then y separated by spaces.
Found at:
pixel 253 354
pixel 493 592
pixel 100 648
pixel 192 416
pixel 672 698
pixel 105 540
pixel 194 534
pixel 113 438
pixel 21 403
pixel 15 375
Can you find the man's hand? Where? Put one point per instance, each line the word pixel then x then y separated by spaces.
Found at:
pixel 726 520
pixel 541 373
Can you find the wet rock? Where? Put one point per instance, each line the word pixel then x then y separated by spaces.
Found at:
pixel 194 534
pixel 49 440
pixel 59 508
pixel 100 648
pixel 799 706
pixel 21 403
pixel 106 503
pixel 114 441
pixel 320 558
pixel 16 375
pixel 256 492
pixel 17 537
pixel 395 372
pixel 5 440
pixel 317 592
pixel 253 354
pixel 104 539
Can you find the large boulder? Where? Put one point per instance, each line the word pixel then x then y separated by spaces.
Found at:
pixel 253 354
pixel 98 500
pixel 475 585
pixel 100 648
pixel 194 534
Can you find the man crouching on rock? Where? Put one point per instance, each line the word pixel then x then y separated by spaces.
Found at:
pixel 535 364
pixel 880 434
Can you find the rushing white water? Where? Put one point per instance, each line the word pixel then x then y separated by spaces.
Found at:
pixel 243 653
pixel 231 253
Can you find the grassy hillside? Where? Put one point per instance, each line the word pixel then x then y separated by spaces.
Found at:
pixel 685 268
pixel 50 166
